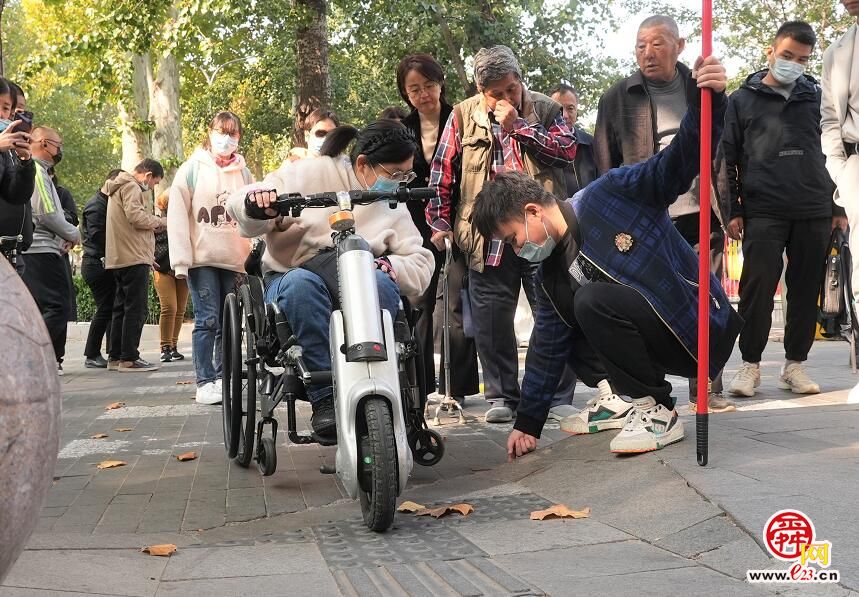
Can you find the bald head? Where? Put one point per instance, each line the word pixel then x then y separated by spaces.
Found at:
pixel 46 144
pixel 657 48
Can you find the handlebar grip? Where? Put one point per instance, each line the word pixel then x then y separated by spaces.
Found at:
pixel 422 193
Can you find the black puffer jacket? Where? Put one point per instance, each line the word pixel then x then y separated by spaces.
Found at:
pixel 17 180
pixel 776 167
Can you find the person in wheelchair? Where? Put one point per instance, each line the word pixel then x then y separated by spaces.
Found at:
pixel 380 160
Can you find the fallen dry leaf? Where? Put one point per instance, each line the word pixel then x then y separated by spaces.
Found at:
pixel 560 511
pixel 111 463
pixel 123 429
pixel 184 383
pixel 187 456
pixel 114 405
pixel 159 550
pixel 98 436
pixel 411 507
pixel 464 509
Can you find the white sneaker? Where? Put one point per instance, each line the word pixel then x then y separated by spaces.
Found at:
pixel 208 393
pixel 853 396
pixel 604 411
pixel 795 379
pixel 746 380
pixel 650 427
pixel 562 411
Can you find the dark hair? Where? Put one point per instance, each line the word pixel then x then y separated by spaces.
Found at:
pixel 425 65
pixel 16 93
pixel 393 113
pixel 226 120
pixel 152 166
pixel 799 31
pixel 6 89
pixel 504 198
pixel 562 88
pixel 114 173
pixel 381 142
pixel 318 115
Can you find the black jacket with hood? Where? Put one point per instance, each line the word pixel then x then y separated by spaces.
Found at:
pixel 776 167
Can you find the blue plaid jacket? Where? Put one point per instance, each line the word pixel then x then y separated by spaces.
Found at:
pixel 633 200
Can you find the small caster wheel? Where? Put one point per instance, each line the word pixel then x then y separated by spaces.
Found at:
pixel 427 447
pixel 267 457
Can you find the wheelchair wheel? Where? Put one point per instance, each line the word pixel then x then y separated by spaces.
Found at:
pixel 246 385
pixel 231 403
pixel 378 468
pixel 267 456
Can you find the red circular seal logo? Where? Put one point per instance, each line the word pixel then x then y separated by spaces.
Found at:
pixel 786 531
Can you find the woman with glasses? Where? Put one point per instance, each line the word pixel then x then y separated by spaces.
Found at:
pixel 420 80
pixel 380 160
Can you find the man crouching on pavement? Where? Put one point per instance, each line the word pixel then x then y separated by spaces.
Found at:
pixel 620 300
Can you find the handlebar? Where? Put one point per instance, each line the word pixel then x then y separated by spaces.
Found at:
pixel 292 204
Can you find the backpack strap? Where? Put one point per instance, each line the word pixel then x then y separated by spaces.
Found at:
pixel 246 175
pixel 191 176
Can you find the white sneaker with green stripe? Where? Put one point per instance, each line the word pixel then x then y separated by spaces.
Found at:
pixel 604 411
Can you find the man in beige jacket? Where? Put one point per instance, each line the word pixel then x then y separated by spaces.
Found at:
pixel 839 125
pixel 129 253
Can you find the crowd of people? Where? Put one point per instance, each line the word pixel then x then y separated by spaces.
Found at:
pixel 599 231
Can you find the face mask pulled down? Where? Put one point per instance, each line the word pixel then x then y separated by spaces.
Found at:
pixel 533 252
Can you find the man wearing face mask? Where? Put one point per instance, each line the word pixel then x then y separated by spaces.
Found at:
pixel 53 236
pixel 781 200
pixel 130 253
pixel 620 303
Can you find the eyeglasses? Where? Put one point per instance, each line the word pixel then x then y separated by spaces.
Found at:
pixel 400 177
pixel 429 88
pixel 56 144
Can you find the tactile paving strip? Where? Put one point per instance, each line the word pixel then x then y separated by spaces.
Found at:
pixel 474 577
pixel 350 544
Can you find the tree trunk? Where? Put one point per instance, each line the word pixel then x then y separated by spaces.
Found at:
pixel 165 112
pixel 311 41
pixel 134 114
pixel 454 51
pixel 2 55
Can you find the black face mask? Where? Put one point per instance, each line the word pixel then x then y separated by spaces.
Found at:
pixel 58 157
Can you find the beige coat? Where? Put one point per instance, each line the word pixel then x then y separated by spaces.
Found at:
pixel 130 235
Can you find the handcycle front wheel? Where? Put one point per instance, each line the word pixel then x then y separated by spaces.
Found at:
pixel 377 465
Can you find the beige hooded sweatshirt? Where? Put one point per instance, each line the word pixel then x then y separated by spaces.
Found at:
pixel 130 230
pixel 389 232
pixel 199 230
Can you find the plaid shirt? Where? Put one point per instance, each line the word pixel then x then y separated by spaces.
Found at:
pixel 555 147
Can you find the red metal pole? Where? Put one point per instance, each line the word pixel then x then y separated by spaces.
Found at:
pixel 701 418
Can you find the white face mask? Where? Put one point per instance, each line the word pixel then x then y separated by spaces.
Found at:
pixel 786 71
pixel 314 145
pixel 223 145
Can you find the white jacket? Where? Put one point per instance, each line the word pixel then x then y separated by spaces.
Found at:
pixel 837 65
pixel 199 231
pixel 389 232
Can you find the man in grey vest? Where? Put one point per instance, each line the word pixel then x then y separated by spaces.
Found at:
pixel 504 128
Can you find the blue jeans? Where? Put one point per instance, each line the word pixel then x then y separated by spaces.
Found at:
pixel 302 297
pixel 209 287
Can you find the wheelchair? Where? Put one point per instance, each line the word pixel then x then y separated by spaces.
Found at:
pixel 377 373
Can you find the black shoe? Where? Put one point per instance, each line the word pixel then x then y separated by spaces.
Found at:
pixel 166 354
pixel 138 365
pixel 177 356
pixel 323 421
pixel 95 363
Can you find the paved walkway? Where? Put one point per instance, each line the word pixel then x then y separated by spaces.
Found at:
pixel 659 524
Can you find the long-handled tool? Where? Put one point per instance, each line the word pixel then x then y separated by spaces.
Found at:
pixel 703 407
pixel 448 401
